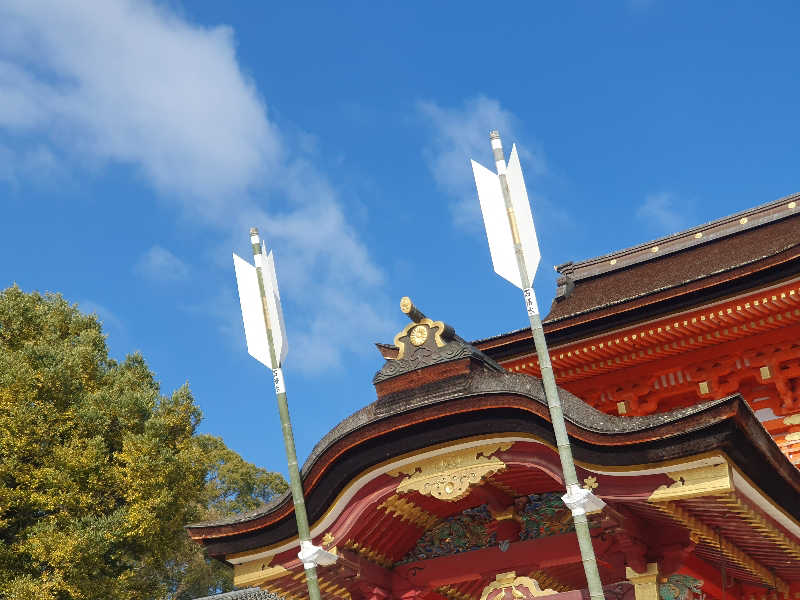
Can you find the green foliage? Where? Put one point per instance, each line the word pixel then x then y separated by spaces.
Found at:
pixel 99 471
pixel 232 486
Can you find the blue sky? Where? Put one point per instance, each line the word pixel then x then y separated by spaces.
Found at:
pixel 139 141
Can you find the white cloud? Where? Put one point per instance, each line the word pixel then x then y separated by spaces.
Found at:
pixel 107 318
pixel 159 264
pixel 462 133
pixel 661 213
pixel 128 82
pixel 131 83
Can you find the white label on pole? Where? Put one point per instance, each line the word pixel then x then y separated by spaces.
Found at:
pixel 522 210
pixel 255 329
pixel 495 218
pixel 530 302
pixel 277 378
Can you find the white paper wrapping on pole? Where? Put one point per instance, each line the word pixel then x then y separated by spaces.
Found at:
pixel 495 218
pixel 522 210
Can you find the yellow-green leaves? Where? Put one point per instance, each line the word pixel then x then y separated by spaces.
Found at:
pixel 99 472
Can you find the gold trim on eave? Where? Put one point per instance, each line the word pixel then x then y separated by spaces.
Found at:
pixel 703 481
pixel 256 572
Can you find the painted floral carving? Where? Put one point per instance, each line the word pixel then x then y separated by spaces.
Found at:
pixel 544 515
pixel 539 515
pixel 680 587
pixel 459 533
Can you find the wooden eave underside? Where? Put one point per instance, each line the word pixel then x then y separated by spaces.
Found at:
pixel 726 528
pixel 724 427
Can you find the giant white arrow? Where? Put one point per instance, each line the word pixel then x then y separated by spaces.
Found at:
pixel 265 332
pixel 515 256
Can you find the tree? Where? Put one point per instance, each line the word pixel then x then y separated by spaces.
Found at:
pixel 99 471
pixel 232 486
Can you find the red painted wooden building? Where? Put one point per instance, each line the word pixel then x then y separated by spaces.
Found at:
pixel 679 366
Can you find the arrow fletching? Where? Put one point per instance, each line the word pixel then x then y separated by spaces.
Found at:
pixel 274 304
pixel 255 329
pixel 522 209
pixel 495 219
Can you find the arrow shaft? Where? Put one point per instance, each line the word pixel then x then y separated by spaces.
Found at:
pixel 549 381
pixel 295 484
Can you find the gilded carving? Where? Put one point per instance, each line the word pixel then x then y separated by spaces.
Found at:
pixel 508 586
pixel 449 477
pixel 418 335
pixel 437 327
pixel 689 483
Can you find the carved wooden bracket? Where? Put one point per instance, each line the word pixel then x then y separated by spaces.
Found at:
pixel 449 477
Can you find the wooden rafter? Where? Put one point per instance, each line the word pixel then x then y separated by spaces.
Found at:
pixel 730 550
pixel 761 524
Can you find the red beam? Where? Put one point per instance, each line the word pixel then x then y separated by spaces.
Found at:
pixel 527 555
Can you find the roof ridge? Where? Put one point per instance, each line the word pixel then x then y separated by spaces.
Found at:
pixel 695 236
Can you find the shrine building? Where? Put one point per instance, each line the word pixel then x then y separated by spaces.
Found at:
pixel 678 363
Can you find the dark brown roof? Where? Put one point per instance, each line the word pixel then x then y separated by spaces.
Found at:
pixel 732 255
pixel 679 268
pixel 676 242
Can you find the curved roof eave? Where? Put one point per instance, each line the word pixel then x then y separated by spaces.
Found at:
pixel 512 400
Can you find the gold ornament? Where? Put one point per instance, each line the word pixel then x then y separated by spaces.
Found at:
pixel 449 477
pixel 418 335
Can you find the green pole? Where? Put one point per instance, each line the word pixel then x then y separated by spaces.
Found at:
pixel 295 485
pixel 550 389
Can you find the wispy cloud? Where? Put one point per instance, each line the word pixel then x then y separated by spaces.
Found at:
pixel 141 87
pixel 159 264
pixel 461 133
pixel 135 84
pixel 662 213
pixel 110 321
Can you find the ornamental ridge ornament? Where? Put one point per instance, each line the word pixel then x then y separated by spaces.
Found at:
pixel 424 342
pixel 507 586
pixel 449 477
